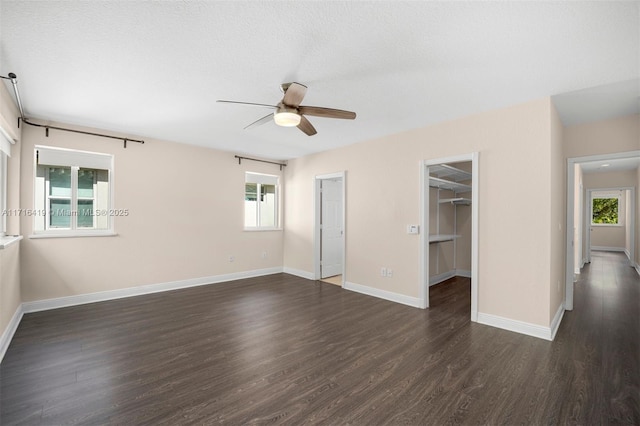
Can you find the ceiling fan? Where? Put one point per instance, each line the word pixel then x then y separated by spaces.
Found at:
pixel 289 113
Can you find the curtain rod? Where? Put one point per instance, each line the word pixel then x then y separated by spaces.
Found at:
pixel 14 81
pixel 261 161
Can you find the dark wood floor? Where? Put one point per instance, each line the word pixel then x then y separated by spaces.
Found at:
pixel 281 349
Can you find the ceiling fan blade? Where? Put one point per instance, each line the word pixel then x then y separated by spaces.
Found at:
pixel 260 121
pixel 326 112
pixel 294 94
pixel 306 126
pixel 247 103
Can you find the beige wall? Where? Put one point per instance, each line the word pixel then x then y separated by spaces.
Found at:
pixel 607 137
pixel 9 284
pixel 186 219
pixel 602 137
pixel 10 256
pixel 558 214
pixel 578 217
pixel 382 197
pixel 608 236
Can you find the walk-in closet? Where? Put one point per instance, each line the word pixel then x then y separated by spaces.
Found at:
pixel 449 221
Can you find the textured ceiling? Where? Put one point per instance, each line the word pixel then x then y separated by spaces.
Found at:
pixel 155 69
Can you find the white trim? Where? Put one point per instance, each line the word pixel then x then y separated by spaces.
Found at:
pixel 463 273
pixel 7 240
pixel 298 273
pixel 8 333
pixel 423 293
pixel 81 299
pixel 569 255
pixel 316 222
pixel 437 279
pixel 521 327
pixel 557 319
pixel 605 248
pixel 72 234
pixel 383 294
pixel 626 252
pixel 637 268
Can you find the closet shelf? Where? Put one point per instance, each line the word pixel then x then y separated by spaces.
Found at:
pixel 456 187
pixel 457 201
pixel 439 238
pixel 449 172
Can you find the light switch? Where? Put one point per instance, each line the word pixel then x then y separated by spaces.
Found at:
pixel 413 229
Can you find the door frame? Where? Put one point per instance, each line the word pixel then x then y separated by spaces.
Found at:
pixel 424 223
pixel 632 218
pixel 317 213
pixel 569 257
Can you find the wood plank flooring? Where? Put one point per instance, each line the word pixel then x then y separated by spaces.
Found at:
pixel 284 350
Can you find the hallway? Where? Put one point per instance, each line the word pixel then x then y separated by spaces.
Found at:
pixel 602 336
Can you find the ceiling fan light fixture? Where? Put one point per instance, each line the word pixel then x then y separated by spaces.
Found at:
pixel 286 117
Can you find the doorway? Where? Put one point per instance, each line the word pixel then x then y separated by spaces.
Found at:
pixel 330 228
pixel 470 199
pixel 574 228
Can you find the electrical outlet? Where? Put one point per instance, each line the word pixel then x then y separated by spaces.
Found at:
pixel 232 258
pixel 383 272
pixel 389 272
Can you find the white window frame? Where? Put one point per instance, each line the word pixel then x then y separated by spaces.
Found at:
pixel 259 179
pixel 606 194
pixel 5 151
pixel 75 160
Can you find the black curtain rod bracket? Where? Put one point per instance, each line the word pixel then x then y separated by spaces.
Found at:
pixel 240 158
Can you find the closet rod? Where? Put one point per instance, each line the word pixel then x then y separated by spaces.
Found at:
pixel 14 81
pixel 240 158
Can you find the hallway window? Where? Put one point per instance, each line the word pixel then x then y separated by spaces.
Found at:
pixel 605 210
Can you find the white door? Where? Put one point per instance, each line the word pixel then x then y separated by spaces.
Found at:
pixel 331 232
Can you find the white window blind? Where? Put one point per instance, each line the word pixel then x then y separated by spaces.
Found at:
pixel 259 178
pixel 5 142
pixel 66 157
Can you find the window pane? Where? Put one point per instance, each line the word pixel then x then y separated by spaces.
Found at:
pixel 60 213
pixel 60 181
pixel 605 210
pixel 267 205
pixel 250 191
pixel 86 179
pixel 85 213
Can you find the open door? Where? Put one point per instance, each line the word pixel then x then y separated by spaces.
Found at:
pixel 330 226
pixel 331 232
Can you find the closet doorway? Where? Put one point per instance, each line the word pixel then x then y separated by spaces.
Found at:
pixel 449 221
pixel 329 228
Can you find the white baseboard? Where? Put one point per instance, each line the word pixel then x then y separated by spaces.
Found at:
pixel 8 333
pixel 637 268
pixel 299 273
pixel 605 248
pixel 463 273
pixel 437 279
pixel 383 294
pixel 557 319
pixel 521 327
pixel 627 253
pixel 81 299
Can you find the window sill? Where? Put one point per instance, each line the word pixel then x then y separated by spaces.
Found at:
pixel 73 234
pixel 261 229
pixel 7 240
pixel 607 225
